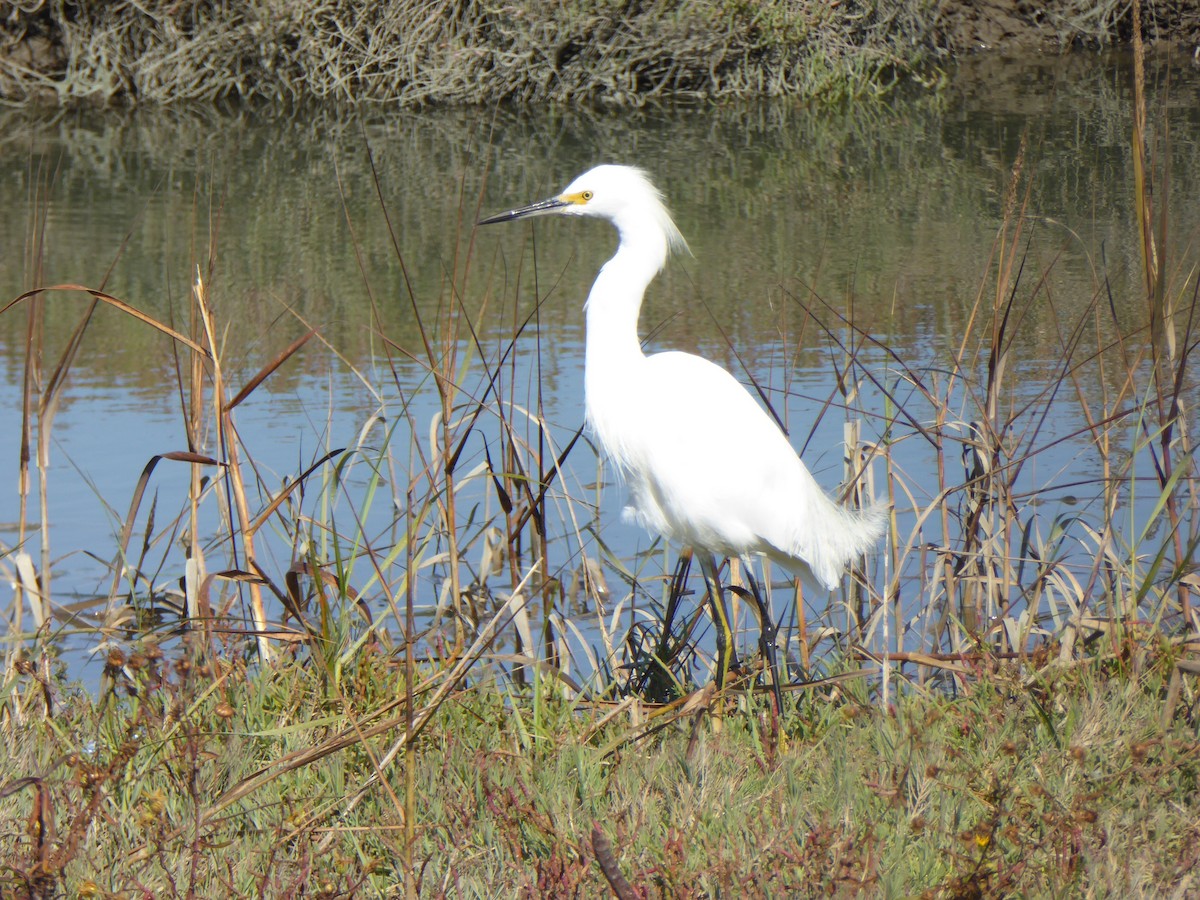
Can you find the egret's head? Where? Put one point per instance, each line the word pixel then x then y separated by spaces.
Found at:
pixel 622 194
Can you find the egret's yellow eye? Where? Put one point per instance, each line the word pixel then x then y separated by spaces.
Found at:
pixel 586 195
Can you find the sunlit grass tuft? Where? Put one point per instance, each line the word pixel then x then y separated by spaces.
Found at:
pixel 1065 783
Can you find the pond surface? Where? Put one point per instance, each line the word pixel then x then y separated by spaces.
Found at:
pixel 887 217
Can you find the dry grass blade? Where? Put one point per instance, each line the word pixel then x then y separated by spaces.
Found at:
pixel 52 393
pixel 119 565
pixel 116 304
pixel 30 586
pixel 265 372
pixel 602 847
pixel 280 498
pixel 229 443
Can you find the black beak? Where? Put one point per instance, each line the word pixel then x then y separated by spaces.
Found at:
pixel 541 208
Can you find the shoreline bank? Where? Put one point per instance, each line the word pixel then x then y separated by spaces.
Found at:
pixel 356 53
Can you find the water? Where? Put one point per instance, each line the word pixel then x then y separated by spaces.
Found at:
pixel 887 216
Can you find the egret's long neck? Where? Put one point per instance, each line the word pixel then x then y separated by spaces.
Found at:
pixel 616 297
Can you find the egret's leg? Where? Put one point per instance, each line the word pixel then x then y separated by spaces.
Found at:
pixel 726 657
pixel 768 631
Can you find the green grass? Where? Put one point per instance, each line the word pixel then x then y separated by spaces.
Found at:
pixel 1063 783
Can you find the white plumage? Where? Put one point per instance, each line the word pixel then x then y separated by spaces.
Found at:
pixel 704 464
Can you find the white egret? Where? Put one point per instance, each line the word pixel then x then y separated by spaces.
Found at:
pixel 704 464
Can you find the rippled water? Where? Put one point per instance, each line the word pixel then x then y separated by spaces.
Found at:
pixel 886 216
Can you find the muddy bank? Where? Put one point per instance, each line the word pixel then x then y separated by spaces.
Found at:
pixel 355 52
pixel 966 26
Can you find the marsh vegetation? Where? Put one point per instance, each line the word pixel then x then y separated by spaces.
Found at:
pixel 415 53
pixel 417 660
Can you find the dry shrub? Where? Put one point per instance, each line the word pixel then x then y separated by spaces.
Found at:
pixel 419 52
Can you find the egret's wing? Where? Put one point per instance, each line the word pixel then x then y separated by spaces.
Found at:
pixel 719 462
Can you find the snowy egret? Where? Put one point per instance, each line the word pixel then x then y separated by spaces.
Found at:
pixel 703 463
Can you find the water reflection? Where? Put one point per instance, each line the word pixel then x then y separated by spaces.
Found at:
pixel 898 205
pixel 888 216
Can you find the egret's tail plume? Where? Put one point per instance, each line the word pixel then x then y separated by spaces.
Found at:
pixel 844 535
pixel 866 525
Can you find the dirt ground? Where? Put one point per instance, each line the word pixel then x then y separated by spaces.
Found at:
pixel 963 26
